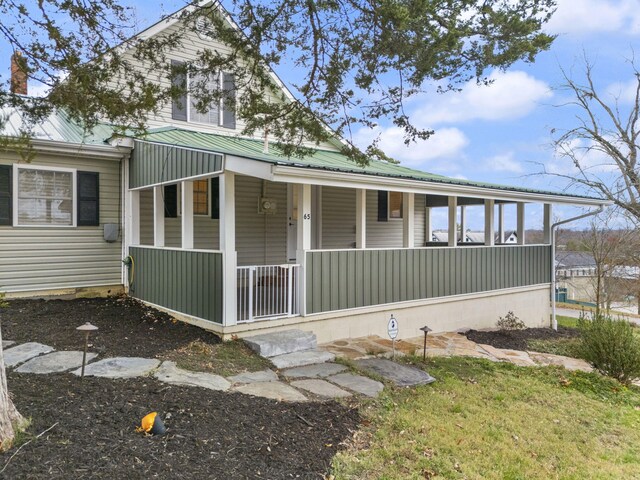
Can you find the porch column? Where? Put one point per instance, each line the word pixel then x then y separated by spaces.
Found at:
pixel 463 223
pixel 520 229
pixel 428 225
pixel 187 215
pixel 501 223
pixel 408 220
pixel 228 247
pixel 158 216
pixel 453 219
pixel 361 218
pixel 134 217
pixel 304 240
pixel 548 215
pixel 489 230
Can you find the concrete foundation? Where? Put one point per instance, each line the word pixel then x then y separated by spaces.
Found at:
pixel 70 293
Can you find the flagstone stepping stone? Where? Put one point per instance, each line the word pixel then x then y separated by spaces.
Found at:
pixel 275 390
pixel 254 377
pixel 401 375
pixel 358 383
pixel 120 367
pixel 321 388
pixel 299 359
pixel 280 343
pixel 560 360
pixel 55 362
pixel 517 357
pixel 316 370
pixel 170 373
pixel 7 343
pixel 26 351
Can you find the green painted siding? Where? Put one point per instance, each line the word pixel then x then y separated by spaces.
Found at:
pixel 185 281
pixel 152 164
pixel 342 279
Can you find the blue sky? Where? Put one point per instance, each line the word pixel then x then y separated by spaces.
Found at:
pixel 501 133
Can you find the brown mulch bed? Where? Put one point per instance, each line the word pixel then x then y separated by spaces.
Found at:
pixel 210 434
pixel 217 435
pixel 126 327
pixel 518 339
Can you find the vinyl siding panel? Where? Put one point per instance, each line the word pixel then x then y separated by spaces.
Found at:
pixel 49 258
pixel 338 217
pixel 339 280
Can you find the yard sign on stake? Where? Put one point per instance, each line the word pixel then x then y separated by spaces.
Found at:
pixel 392 330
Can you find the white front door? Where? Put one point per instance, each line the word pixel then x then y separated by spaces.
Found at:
pixel 292 222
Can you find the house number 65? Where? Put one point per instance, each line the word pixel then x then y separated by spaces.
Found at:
pixel 307 216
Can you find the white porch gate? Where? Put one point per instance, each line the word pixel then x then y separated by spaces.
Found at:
pixel 268 291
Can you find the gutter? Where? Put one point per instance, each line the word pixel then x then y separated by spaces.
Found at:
pixel 554 321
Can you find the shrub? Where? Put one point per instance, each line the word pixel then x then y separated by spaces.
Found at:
pixel 610 345
pixel 510 322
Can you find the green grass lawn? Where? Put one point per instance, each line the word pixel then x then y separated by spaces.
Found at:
pixel 484 420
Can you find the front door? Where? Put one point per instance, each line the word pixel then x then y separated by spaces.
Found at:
pixel 292 222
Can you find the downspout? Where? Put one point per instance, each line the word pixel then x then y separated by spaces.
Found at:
pixel 554 321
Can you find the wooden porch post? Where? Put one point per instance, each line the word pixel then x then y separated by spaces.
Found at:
pixel 489 230
pixel 453 220
pixel 408 220
pixel 548 215
pixel 304 240
pixel 228 247
pixel 158 216
pixel 521 226
pixel 187 215
pixel 463 223
pixel 501 223
pixel 361 218
pixel 134 217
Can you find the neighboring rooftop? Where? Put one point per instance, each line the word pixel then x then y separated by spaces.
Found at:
pixel 574 260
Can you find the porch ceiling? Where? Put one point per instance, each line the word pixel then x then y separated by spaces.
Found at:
pixel 323 164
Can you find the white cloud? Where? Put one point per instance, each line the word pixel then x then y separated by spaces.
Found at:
pixel 504 162
pixel 445 143
pixel 511 95
pixel 595 16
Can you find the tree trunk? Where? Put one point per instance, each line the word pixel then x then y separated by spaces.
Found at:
pixel 10 418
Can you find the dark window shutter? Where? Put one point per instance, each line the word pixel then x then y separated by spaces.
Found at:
pixel 171 201
pixel 228 101
pixel 179 83
pixel 383 206
pixel 215 198
pixel 6 215
pixel 88 199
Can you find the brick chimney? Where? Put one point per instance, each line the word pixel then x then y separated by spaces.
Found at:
pixel 18 74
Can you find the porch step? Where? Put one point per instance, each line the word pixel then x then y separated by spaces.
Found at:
pixel 302 358
pixel 281 343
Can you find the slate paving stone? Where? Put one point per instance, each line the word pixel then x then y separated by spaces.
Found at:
pixel 401 375
pixel 274 390
pixel 321 388
pixel 55 362
pixel 299 359
pixel 23 352
pixel 120 367
pixel 170 373
pixel 313 371
pixel 7 343
pixel 254 377
pixel 358 383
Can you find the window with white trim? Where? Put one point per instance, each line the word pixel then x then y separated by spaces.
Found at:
pixel 211 113
pixel 395 204
pixel 44 196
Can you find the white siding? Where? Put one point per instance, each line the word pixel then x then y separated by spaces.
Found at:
pixel 419 220
pixel 49 258
pixel 381 234
pixel 338 217
pixel 260 239
pixel 205 229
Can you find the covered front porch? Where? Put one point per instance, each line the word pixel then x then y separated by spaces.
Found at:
pixel 228 241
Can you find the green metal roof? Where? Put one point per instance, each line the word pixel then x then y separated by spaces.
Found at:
pixel 320 159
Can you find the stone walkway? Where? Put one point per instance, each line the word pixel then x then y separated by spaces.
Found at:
pixel 299 384
pixel 448 345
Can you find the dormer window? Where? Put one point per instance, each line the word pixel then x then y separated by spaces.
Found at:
pixel 219 112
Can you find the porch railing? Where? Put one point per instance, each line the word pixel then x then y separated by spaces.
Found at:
pixel 267 291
